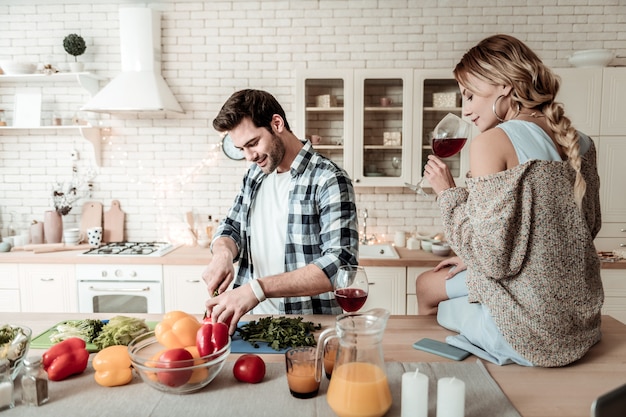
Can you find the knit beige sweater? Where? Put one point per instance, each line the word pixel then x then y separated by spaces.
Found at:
pixel 530 255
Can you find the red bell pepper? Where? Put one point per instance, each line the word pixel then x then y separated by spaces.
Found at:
pixel 66 358
pixel 220 335
pixel 203 339
pixel 211 337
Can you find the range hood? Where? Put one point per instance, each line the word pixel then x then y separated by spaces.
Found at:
pixel 140 87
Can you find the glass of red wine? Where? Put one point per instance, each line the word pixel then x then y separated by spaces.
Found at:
pixel 446 140
pixel 351 287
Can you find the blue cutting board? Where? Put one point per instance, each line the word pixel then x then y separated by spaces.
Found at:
pixel 238 345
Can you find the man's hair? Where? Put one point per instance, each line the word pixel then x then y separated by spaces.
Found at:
pixel 260 106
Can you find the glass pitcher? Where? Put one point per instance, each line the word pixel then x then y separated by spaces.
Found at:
pixel 358 385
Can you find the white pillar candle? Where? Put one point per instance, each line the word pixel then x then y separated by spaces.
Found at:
pixel 414 394
pixel 450 397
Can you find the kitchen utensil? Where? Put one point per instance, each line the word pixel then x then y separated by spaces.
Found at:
pixel 52 226
pixel 440 249
pixel 91 217
pixel 65 247
pixel 144 352
pixel 113 223
pixel 359 368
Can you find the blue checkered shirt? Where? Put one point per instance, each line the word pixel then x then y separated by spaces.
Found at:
pixel 322 229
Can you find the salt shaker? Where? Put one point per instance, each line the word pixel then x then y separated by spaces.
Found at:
pixel 6 386
pixel 34 382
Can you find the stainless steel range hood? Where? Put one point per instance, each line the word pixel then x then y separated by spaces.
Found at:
pixel 140 87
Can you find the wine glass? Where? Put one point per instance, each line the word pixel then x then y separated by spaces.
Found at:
pixel 351 287
pixel 446 140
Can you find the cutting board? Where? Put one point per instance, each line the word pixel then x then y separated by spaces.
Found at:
pixel 113 223
pixel 90 217
pixel 237 344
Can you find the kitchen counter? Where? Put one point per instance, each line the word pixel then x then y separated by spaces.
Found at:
pixel 195 255
pixel 535 392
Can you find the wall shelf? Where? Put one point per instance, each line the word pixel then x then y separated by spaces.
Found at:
pixel 86 80
pixel 90 133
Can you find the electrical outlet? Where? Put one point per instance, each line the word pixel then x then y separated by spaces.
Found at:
pixel 74 155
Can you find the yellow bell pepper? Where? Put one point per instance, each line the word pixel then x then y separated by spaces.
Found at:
pixel 112 366
pixel 177 330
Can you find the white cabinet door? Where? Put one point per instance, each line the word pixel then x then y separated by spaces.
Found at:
pixel 612 169
pixel 9 288
pixel 48 288
pixel 613 121
pixel 614 282
pixel 581 94
pixel 387 289
pixel 184 288
pixel 411 299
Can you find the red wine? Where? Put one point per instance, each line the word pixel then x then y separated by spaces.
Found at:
pixel 444 148
pixel 350 299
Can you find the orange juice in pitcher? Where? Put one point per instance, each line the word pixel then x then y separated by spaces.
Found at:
pixel 359 389
pixel 358 386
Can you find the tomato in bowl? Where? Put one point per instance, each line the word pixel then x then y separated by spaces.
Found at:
pixel 171 370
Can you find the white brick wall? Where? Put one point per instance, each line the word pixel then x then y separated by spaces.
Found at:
pixel 160 166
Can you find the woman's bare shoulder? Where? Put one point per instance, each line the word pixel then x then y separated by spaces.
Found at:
pixel 490 152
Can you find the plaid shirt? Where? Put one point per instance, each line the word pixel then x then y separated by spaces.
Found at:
pixel 322 228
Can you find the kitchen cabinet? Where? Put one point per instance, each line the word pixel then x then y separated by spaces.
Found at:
pixel 411 299
pixel 48 288
pixel 184 288
pixel 376 123
pixel 614 282
pixel 592 99
pixel 387 289
pixel 9 288
pixel 48 83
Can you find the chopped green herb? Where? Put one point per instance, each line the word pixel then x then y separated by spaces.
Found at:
pixel 279 332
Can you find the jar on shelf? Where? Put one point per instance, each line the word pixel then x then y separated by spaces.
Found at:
pixel 3 120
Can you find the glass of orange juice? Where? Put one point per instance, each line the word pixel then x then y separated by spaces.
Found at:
pixel 303 376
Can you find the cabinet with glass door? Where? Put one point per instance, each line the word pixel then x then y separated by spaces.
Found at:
pixel 438 94
pixel 325 103
pixel 383 127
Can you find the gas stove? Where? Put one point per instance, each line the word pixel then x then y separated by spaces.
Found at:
pixel 152 249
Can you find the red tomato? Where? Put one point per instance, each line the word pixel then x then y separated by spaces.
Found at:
pixel 175 358
pixel 249 368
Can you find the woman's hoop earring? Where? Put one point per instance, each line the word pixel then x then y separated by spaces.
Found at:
pixel 495 103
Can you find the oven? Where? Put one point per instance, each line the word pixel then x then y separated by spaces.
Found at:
pixel 118 288
pixel 122 287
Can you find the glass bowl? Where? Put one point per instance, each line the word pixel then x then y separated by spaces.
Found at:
pixel 16 349
pixel 144 352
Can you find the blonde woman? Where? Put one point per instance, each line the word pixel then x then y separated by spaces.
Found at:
pixel 526 286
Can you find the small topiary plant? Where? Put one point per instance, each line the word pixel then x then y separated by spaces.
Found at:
pixel 74 45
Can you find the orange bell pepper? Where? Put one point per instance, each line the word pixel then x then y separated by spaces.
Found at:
pixel 112 366
pixel 177 329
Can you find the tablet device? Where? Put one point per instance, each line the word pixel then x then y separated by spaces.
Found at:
pixel 442 349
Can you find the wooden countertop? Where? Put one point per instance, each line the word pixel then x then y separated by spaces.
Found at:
pixel 535 392
pixel 195 255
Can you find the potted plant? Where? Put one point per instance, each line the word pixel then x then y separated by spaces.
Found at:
pixel 75 45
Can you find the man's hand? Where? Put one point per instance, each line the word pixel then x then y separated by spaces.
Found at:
pixel 229 306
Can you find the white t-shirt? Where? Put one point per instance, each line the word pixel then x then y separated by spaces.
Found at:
pixel 268 218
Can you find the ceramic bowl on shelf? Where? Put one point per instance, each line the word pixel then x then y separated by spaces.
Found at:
pixel 174 377
pixel 591 58
pixel 17 68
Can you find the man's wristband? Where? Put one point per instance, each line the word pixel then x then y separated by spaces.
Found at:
pixel 257 290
